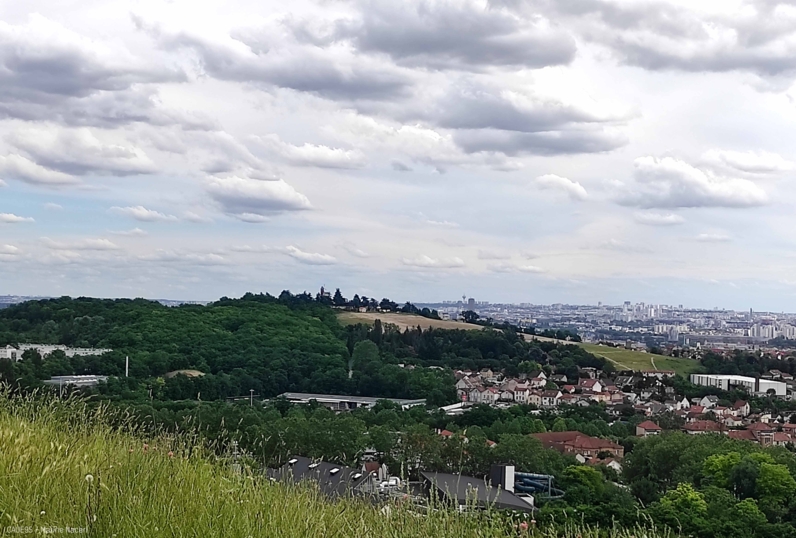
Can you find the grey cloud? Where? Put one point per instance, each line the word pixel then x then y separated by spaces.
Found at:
pixel 251 57
pixel 48 72
pixel 398 166
pixel 492 254
pixel 457 35
pixel 668 182
pixel 756 38
pixel 545 143
pixel 15 166
pixel 42 59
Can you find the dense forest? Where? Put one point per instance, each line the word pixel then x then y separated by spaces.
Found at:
pixel 264 344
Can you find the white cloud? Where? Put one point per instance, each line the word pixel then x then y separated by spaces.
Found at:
pixel 713 238
pixel 135 232
pixel 17 167
pixel 53 207
pixel 79 152
pixel 143 214
pixel 753 162
pixel 573 189
pixel 504 267
pixel 312 154
pixel 433 263
pixel 254 200
pixel 83 244
pixel 191 216
pixel 667 182
pixel 10 218
pixel 189 258
pixel 354 250
pixel 651 218
pixel 9 250
pixel 310 258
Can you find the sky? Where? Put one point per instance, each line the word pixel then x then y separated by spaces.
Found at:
pixel 509 150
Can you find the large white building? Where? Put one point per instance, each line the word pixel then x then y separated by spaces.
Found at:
pixel 15 353
pixel 753 385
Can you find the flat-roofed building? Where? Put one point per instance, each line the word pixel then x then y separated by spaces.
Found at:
pixel 752 385
pixel 337 402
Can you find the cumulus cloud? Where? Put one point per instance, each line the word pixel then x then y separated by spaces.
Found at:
pixel 143 214
pixel 433 263
pixel 83 244
pixel 246 198
pixel 652 218
pixel 42 59
pixel 753 162
pixel 757 36
pixel 572 189
pixel 311 154
pixel 310 258
pixel 10 218
pixel 266 56
pixel 79 152
pixel 17 167
pixel 9 250
pixel 668 182
pixel 448 35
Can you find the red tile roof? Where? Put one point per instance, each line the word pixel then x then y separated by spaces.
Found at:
pixel 649 425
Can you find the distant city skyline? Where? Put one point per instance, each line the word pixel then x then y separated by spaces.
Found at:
pixel 525 151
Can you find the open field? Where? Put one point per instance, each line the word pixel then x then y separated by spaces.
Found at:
pixel 403 321
pixel 626 359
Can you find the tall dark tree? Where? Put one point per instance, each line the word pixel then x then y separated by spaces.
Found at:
pixel 338 298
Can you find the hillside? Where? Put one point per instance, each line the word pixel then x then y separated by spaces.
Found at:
pixel 403 321
pixel 623 359
pixel 64 468
pixel 627 359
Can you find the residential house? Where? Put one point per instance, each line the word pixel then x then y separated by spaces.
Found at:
pixel 521 395
pixel 704 426
pixel 590 384
pixel 709 401
pixel 550 398
pixel 741 408
pixel 647 428
pixel 506 396
pixel 579 443
pixel 535 398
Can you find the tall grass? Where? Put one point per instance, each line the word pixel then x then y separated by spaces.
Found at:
pixel 64 467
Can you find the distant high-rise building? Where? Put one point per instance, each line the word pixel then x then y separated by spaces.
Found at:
pixel 471 302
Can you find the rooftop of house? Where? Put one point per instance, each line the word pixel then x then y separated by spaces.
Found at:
pixel 464 489
pixel 649 425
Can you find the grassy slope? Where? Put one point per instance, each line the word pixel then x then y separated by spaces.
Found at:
pixel 62 467
pixel 624 359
